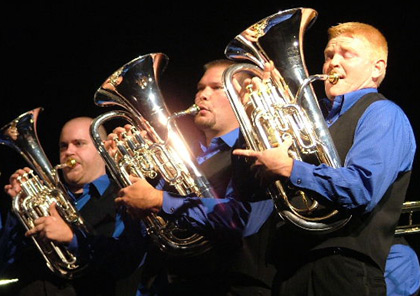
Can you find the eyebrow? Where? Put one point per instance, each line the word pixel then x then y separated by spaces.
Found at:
pixel 74 140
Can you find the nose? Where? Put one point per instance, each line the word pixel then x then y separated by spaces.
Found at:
pixel 69 150
pixel 335 60
pixel 331 64
pixel 202 95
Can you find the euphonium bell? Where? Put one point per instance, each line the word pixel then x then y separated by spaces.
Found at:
pixel 40 190
pixel 287 107
pixel 162 152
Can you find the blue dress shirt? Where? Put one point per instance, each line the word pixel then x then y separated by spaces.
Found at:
pixel 384 146
pixel 402 271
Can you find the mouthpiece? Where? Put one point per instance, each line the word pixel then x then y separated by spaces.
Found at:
pixel 70 162
pixel 192 110
pixel 333 78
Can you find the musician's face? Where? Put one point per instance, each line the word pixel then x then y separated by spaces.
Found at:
pixel 75 142
pixel 216 115
pixel 351 58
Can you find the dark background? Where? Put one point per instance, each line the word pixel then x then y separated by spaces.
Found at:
pixel 55 55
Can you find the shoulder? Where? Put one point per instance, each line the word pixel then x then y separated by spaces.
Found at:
pixel 385 112
pixel 386 119
pixel 385 103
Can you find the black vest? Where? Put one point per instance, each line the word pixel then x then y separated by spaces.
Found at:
pixel 369 234
pixel 232 267
pixel 218 170
pixel 203 274
pixel 99 212
pixel 251 272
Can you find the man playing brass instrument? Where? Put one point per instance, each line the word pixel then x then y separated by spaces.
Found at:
pixel 93 192
pixel 234 266
pixel 376 143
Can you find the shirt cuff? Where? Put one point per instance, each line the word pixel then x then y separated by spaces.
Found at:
pixel 74 244
pixel 301 175
pixel 171 202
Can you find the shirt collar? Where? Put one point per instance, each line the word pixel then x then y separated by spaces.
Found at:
pixel 101 184
pixel 229 139
pixel 344 102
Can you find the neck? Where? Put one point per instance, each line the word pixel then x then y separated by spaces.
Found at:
pixel 209 136
pixel 76 189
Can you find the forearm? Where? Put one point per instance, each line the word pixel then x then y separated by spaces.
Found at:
pixel 208 214
pixel 383 148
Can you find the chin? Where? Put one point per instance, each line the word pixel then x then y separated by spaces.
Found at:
pixel 332 93
pixel 71 178
pixel 202 122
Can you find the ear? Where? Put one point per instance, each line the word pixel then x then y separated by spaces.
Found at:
pixel 379 70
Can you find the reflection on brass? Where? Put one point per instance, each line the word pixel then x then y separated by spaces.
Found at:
pixel 7 281
pixel 409 213
pixel 115 78
pixel 12 132
pixel 259 28
pixel 142 82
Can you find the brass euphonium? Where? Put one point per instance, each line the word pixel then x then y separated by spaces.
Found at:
pixel 287 107
pixel 40 190
pixel 161 152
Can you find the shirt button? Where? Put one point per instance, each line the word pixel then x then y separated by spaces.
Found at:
pixel 172 210
pixel 298 181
